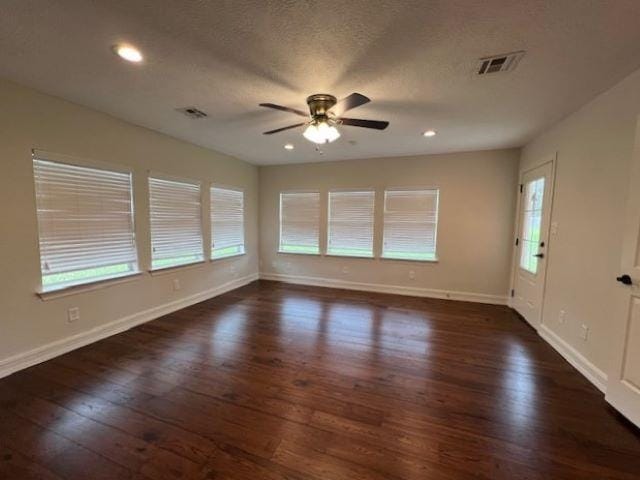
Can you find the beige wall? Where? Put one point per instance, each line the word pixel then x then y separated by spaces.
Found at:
pixel 594 148
pixel 477 204
pixel 32 120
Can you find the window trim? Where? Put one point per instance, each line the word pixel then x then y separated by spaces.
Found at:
pixel 319 192
pixel 75 161
pixel 435 258
pixel 222 186
pixel 172 178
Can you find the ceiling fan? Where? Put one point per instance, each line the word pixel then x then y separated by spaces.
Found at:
pixel 325 114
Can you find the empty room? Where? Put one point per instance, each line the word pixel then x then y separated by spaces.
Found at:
pixel 320 240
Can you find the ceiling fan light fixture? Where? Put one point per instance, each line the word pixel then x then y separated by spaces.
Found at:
pixel 321 131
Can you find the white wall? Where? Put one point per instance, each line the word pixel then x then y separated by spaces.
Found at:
pixel 32 120
pixel 594 149
pixel 477 204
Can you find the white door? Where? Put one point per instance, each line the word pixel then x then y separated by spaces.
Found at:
pixel 623 387
pixel 536 187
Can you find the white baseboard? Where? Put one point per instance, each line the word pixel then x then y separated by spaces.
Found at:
pixel 59 347
pixel 575 358
pixel 382 288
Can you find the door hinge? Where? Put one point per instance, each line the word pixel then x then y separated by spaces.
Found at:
pixel 517 241
pixel 513 292
pixel 521 187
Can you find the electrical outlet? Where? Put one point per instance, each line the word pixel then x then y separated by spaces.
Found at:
pixel 345 270
pixel 584 332
pixel 561 316
pixel 176 284
pixel 412 275
pixel 73 314
pixel 554 228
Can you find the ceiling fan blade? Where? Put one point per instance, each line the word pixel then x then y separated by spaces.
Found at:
pixel 352 101
pixel 357 122
pixel 285 109
pixel 284 128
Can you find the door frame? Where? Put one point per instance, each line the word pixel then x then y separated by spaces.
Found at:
pixel 553 159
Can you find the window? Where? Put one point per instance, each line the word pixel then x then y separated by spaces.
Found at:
pixel 85 223
pixel 300 222
pixel 176 223
pixel 531 222
pixel 350 229
pixel 227 222
pixel 410 224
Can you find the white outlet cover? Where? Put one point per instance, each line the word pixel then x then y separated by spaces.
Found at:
pixel 561 316
pixel 584 332
pixel 412 275
pixel 554 228
pixel 176 284
pixel 73 314
pixel 345 269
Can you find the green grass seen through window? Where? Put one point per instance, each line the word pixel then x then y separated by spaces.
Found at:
pixel 299 249
pixel 409 256
pixel 350 252
pixel 175 261
pixel 227 251
pixel 86 275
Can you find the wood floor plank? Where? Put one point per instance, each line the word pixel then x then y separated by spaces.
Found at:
pixel 282 382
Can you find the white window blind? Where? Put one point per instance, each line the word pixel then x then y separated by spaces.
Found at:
pixel 227 222
pixel 300 222
pixel 350 229
pixel 176 223
pixel 85 223
pixel 410 224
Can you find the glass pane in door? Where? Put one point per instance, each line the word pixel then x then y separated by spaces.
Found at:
pixel 531 224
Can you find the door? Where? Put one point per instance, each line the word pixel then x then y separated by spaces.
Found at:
pixel 623 387
pixel 536 187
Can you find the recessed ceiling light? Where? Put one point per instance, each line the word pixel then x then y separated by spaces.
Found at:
pixel 429 133
pixel 288 146
pixel 128 53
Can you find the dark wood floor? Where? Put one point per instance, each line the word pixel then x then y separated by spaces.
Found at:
pixel 280 382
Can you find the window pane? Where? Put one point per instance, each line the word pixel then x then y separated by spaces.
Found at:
pixel 410 224
pixel 85 223
pixel 227 222
pixel 531 224
pixel 176 223
pixel 300 222
pixel 350 229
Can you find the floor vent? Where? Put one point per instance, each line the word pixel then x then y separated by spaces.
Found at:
pixel 192 112
pixel 499 63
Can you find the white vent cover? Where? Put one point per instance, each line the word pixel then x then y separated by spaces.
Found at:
pixel 499 63
pixel 192 112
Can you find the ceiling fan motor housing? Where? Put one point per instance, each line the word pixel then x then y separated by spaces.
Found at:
pixel 320 104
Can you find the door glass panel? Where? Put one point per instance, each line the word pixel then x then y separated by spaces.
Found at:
pixel 531 223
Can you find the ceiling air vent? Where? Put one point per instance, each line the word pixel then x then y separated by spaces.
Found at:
pixel 499 63
pixel 192 112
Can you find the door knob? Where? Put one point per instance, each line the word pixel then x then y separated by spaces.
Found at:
pixel 539 255
pixel 625 279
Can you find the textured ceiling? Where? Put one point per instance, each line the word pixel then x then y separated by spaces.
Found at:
pixel 413 58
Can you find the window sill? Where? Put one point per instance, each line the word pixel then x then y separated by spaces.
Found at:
pixel 429 260
pixel 235 255
pixel 173 268
pixel 87 287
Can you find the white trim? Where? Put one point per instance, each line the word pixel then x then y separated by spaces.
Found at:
pixel 575 358
pixel 383 288
pixel 59 347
